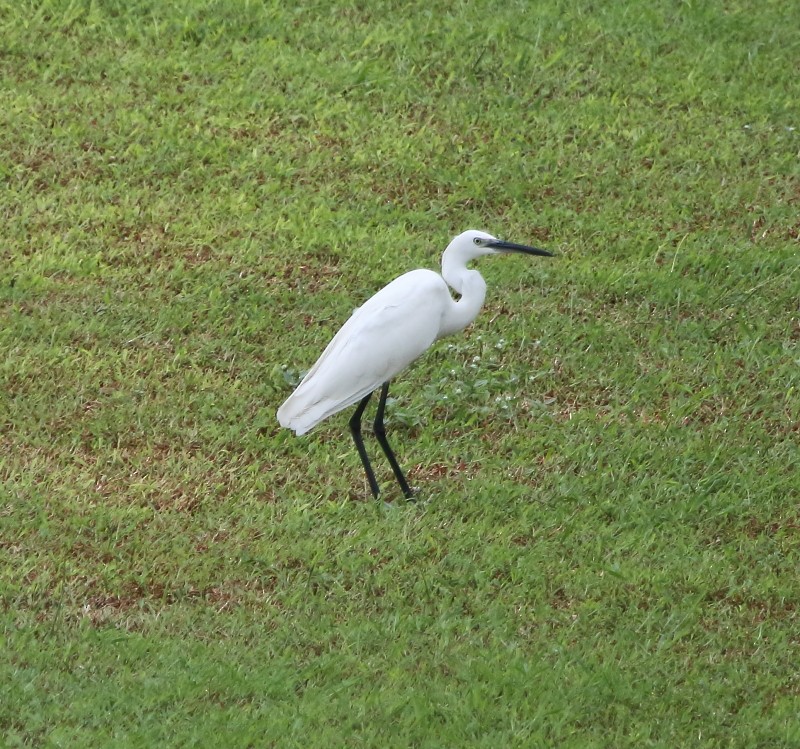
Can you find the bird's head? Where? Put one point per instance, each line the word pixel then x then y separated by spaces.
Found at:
pixel 472 244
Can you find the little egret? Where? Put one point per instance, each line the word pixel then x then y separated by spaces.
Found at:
pixel 385 334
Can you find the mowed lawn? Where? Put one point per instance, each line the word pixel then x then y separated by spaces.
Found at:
pixel 605 550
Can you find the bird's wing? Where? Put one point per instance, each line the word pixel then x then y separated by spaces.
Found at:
pixel 381 338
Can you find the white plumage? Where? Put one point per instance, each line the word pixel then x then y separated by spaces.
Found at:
pixel 389 331
pixel 381 338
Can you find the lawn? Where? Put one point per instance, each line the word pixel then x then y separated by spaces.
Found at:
pixel 605 546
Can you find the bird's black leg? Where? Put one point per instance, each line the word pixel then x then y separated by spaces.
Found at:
pixel 380 434
pixel 355 429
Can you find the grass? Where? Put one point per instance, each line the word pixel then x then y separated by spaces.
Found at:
pixel 606 546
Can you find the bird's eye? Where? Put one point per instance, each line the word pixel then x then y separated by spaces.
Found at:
pixel 477 240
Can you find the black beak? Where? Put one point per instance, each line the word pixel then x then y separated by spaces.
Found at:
pixel 503 246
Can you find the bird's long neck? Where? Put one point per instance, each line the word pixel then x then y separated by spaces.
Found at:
pixel 471 287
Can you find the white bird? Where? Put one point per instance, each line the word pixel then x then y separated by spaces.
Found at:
pixel 385 334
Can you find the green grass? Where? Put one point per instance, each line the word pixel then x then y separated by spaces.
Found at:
pixel 606 547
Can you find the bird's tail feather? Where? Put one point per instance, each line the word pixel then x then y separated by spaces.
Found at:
pixel 301 412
